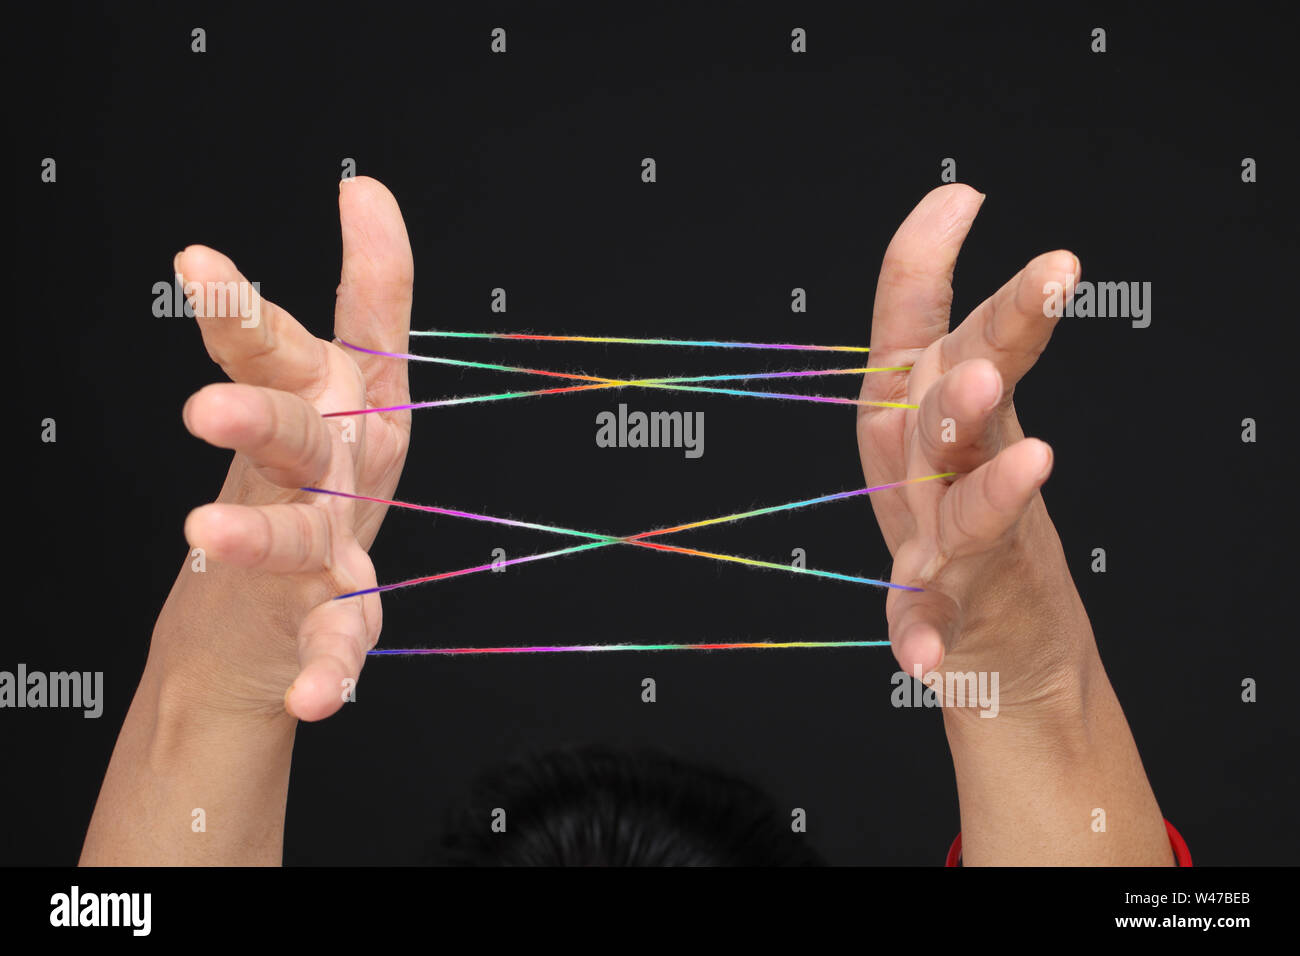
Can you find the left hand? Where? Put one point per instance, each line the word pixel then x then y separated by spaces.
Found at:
pixel 259 632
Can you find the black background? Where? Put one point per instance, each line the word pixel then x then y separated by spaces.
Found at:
pixel 775 170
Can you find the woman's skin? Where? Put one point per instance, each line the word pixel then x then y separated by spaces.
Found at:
pixel 246 649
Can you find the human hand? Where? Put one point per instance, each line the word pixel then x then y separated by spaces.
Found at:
pixel 259 630
pixel 997 592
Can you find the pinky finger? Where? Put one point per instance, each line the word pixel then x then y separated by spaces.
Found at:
pixel 332 645
pixel 922 626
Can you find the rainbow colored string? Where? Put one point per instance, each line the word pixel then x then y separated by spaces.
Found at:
pixel 638 540
pixel 596 540
pixel 593 648
pixel 597 381
pixel 609 340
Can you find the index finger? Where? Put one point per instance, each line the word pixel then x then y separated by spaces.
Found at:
pixel 1011 328
pixel 253 340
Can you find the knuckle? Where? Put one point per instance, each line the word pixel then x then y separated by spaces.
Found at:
pixel 304 539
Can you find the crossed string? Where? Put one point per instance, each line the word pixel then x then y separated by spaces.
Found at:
pixel 596 540
pixel 638 540
pixel 685 384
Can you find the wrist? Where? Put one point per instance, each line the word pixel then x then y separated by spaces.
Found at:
pixel 224 647
pixel 192 779
pixel 1055 781
pixel 1049 692
pixel 205 718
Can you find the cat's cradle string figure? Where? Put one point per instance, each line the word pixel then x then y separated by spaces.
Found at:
pixel 594 540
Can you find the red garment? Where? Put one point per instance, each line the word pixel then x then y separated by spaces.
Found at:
pixel 1181 853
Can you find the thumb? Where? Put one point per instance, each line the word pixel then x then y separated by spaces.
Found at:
pixel 373 306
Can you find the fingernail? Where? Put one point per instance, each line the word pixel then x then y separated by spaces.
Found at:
pixel 1046 470
pixel 996 397
pixel 289 710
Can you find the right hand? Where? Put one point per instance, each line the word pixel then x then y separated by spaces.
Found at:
pixel 997 593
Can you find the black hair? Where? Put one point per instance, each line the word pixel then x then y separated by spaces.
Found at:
pixel 594 806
